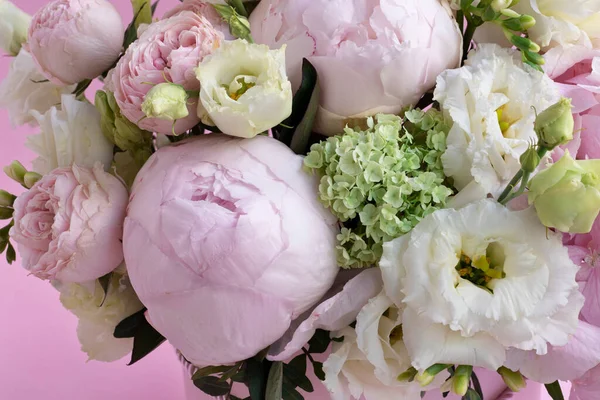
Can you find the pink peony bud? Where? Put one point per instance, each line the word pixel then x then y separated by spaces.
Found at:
pixel 376 56
pixel 226 243
pixel 69 225
pixel 74 40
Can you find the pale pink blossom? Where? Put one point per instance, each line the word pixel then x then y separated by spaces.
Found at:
pixel 69 225
pixel 168 50
pixel 73 40
pixel 206 9
pixel 226 244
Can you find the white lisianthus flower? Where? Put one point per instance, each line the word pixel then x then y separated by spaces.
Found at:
pixel 25 90
pixel 563 22
pixel 14 25
pixel 490 104
pixel 69 135
pixel 370 358
pixel 99 315
pixel 478 281
pixel 244 88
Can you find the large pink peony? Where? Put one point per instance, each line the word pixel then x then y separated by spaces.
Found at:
pixel 69 225
pixel 206 9
pixel 168 50
pixel 73 40
pixel 371 56
pixel 226 243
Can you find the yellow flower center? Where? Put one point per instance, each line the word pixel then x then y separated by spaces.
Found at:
pixel 240 85
pixel 503 122
pixel 396 335
pixel 480 271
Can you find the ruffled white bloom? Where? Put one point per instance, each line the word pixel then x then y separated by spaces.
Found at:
pixel 25 90
pixel 14 24
pixel 563 22
pixel 532 302
pixel 370 358
pixel 69 135
pixel 244 88
pixel 490 103
pixel 98 319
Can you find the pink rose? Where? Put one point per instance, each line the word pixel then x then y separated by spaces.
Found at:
pixel 206 9
pixel 69 225
pixel 371 56
pixel 168 50
pixel 74 40
pixel 576 70
pixel 226 243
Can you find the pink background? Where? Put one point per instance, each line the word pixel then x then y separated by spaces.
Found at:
pixel 39 351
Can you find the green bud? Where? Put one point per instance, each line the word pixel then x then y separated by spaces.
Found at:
pixel 514 2
pixel 240 28
pixel 527 22
pixel 566 196
pixel 461 379
pixel 530 160
pixel 6 199
pixel 408 375
pixel 554 126
pixel 499 5
pixel 426 377
pixel 166 101
pixel 514 380
pixel 225 11
pixel 31 178
pixel 512 24
pixel 535 58
pixel 16 171
pixel 524 43
pixel 507 12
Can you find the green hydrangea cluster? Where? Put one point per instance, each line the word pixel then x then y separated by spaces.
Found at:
pixel 382 181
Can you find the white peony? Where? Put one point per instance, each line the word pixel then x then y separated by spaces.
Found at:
pixel 69 135
pixel 14 24
pixel 25 90
pixel 563 22
pixel 490 104
pixel 97 319
pixel 370 358
pixel 244 88
pixel 478 281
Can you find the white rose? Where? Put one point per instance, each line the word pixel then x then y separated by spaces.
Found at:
pixel 490 104
pixel 370 358
pixel 97 319
pixel 14 25
pixel 563 22
pixel 244 88
pixel 69 135
pixel 478 281
pixel 25 89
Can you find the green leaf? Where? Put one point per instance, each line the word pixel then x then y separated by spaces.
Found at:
pixel 153 8
pixel 555 391
pixel 145 341
pixel 295 130
pixel 211 370
pixel 275 382
pixel 295 373
pixel 212 386
pixel 6 212
pixel 4 232
pixel 471 395
pixel 131 31
pixel 231 372
pixel 256 374
pixel 319 342
pixel 11 255
pixel 289 392
pixel 318 369
pixel 128 327
pixel 104 283
pixel 238 5
pixel 3 245
pixel 81 87
pixel 476 384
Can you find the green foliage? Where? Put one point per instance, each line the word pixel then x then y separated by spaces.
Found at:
pixel 382 181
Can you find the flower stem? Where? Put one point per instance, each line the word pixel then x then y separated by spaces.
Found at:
pixel 468 36
pixel 505 196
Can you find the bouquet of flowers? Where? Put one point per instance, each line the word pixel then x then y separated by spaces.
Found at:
pixel 392 196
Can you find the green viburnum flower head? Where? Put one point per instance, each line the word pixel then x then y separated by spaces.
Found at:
pixel 382 181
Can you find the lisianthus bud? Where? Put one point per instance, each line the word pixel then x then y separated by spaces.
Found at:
pixel 530 160
pixel 16 171
pixel 527 22
pixel 6 199
pixel 240 28
pixel 514 380
pixel 14 24
pixel 30 178
pixel 426 377
pixel 461 379
pixel 499 5
pixel 507 12
pixel 566 195
pixel 554 125
pixel 166 101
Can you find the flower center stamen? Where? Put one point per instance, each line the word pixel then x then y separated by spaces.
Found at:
pixel 240 85
pixel 479 271
pixel 396 335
